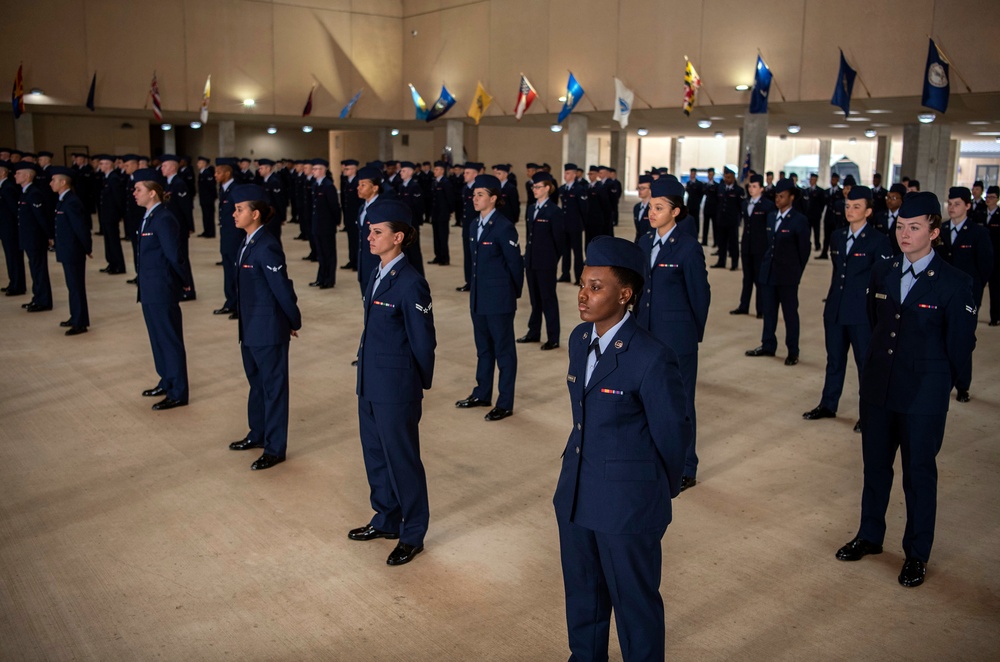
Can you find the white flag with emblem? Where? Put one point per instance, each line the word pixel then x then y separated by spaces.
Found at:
pixel 623 103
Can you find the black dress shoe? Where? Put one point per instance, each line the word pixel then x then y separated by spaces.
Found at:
pixel 818 413
pixel 443 264
pixel 114 272
pixel 464 288
pixel 822 257
pixel 792 360
pixel 403 554
pixel 105 269
pixel 760 351
pixel 369 532
pixel 549 345
pixel 168 403
pixel 498 414
pixel 35 308
pixel 527 339
pixel 154 392
pixel 739 311
pixel 245 443
pixel 857 549
pixel 66 323
pixel 326 287
pixel 189 296
pixel 223 311
pixel 733 268
pixel 913 573
pixel 434 261
pixel 315 283
pixel 354 363
pixel 688 481
pixel 963 396
pixel 760 316
pixel 133 281
pixel 472 401
pixel 234 315
pixel 3 289
pixel 76 330
pixel 992 323
pixel 266 461
pixel 347 266
pixel 857 426
pixel 218 264
pixel 715 253
pixel 27 305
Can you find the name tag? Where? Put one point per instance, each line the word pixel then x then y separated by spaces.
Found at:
pixel 879 295
pixel 571 379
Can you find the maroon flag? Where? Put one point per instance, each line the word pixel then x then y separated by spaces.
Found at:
pixel 309 103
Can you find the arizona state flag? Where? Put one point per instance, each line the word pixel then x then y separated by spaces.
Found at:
pixel 17 94
pixel 480 103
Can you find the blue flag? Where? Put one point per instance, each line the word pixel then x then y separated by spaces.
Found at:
pixel 845 86
pixel 346 111
pixel 936 84
pixel 761 88
pixel 573 95
pixel 442 105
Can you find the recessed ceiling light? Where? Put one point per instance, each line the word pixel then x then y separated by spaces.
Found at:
pixel 643 132
pixel 926 118
pixel 742 88
pixel 307 129
pixel 871 133
pixel 839 126
pixel 249 103
pixel 878 125
pixel 555 128
pixel 680 139
pixel 852 140
pixel 562 99
pixel 394 132
pixel 272 129
pixel 857 118
pixel 37 91
pixel 716 119
pixel 986 133
pixel 719 134
pixel 739 117
pixel 794 128
pixel 978 123
pixel 878 111
pixel 704 124
pixel 196 124
pixel 166 127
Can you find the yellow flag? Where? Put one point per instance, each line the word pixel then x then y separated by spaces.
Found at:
pixel 480 103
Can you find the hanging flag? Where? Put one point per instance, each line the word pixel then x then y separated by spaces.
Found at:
pixel 936 84
pixel 154 94
pixel 307 110
pixel 442 105
pixel 346 110
pixel 418 103
pixel 573 95
pixel 17 93
pixel 761 87
pixel 845 86
pixel 692 81
pixel 623 103
pixel 93 90
pixel 480 103
pixel 746 168
pixel 525 96
pixel 204 99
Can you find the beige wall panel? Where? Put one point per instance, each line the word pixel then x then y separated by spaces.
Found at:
pixel 519 44
pixel 330 5
pixel 416 7
pixel 517 146
pixel 377 53
pixel 389 8
pixel 313 47
pixel 240 57
pixel 591 58
pixel 361 145
pixel 969 38
pixel 98 134
pixel 255 143
pixel 421 147
pixel 7 129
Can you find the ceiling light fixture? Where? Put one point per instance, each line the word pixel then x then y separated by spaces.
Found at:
pixel 249 103
pixel 37 91
pixel 307 129
pixel 742 88
pixel 272 129
pixel 643 132
pixel 794 128
pixel 394 132
pixel 852 141
pixel 555 128
pixel 680 139
pixel 704 124
pixel 926 118
pixel 562 99
pixel 870 133
pixel 719 134
pixel 196 124
pixel 166 127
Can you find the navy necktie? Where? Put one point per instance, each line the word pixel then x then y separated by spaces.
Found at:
pixel 596 347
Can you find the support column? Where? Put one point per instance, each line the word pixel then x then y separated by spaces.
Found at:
pixel 384 144
pixel 24 133
pixel 619 148
pixel 927 155
pixel 824 163
pixel 574 141
pixel 170 141
pixel 454 141
pixel 753 137
pixel 883 160
pixel 227 138
pixel 675 157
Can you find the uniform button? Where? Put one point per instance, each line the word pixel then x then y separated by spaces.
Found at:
pixel 892 334
pixel 897 315
pixel 843 275
pixel 577 450
pixel 890 352
pixel 579 427
pixel 841 287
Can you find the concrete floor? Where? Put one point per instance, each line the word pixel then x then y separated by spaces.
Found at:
pixel 127 534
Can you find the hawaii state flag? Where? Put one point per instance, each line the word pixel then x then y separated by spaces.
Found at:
pixel 692 81
pixel 525 96
pixel 17 93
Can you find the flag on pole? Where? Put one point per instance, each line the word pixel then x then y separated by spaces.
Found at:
pixel 346 110
pixel 93 90
pixel 623 103
pixel 307 110
pixel 204 99
pixel 154 94
pixel 480 103
pixel 17 93
pixel 573 95
pixel 525 96
pixel 845 86
pixel 442 105
pixel 745 172
pixel 937 87
pixel 761 88
pixel 418 103
pixel 692 81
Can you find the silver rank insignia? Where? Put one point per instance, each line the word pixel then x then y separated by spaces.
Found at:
pixel 425 309
pixel 275 269
pixel 512 243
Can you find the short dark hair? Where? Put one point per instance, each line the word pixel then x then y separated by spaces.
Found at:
pixel 628 278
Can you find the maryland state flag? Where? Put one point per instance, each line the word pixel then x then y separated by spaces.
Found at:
pixel 692 81
pixel 480 103
pixel 17 93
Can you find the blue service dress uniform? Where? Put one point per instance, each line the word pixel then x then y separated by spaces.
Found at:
pixel 230 240
pixel 443 200
pixel 753 247
pixel 992 225
pixel 780 273
pixel 10 193
pixel 469 219
pixel 597 222
pixel 350 203
pixel 886 224
pixel 325 219
pixel 621 466
pixel 919 343
pixel 545 234
pixel 133 219
pixel 511 207
pixel 208 193
pixel 674 309
pixel 366 260
pixel 277 197
pixel 845 316
pixel 497 279
pixel 729 214
pixel 574 201
pixel 411 194
pixel 73 244
pixel 181 205
pixel 34 227
pixel 833 217
pixel 695 190
pixel 268 313
pixel 640 217
pixel 160 279
pixel 814 200
pixel 110 210
pixel 395 367
pixel 711 202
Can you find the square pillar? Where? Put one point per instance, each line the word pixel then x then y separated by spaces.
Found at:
pixel 883 160
pixel 753 137
pixel 927 156
pixel 823 173
pixel 227 138
pixel 454 141
pixel 24 133
pixel 574 142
